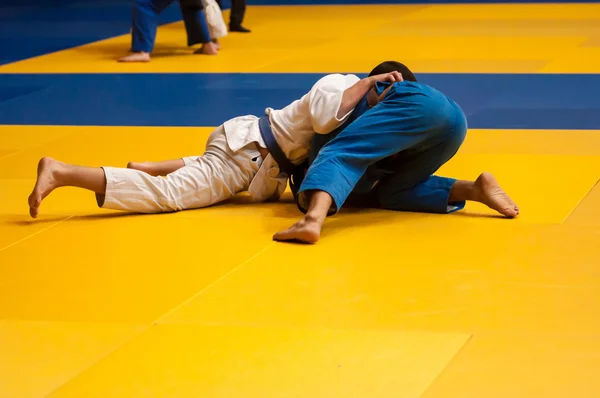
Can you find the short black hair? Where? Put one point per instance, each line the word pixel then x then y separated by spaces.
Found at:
pixel 391 66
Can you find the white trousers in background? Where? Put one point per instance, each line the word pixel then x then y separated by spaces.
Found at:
pixel 215 176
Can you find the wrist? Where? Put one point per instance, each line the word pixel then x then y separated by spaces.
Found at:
pixel 370 81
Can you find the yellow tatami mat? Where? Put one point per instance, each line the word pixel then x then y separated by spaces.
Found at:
pixel 267 362
pixel 380 305
pixel 38 357
pixel 202 303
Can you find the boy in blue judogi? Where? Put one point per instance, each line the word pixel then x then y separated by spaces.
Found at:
pixel 385 156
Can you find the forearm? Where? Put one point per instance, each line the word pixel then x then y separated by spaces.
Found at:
pixel 353 95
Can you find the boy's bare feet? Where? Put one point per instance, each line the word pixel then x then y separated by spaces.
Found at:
pixel 136 57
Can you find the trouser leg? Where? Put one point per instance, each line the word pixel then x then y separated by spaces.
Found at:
pixel 211 178
pixel 196 25
pixel 145 23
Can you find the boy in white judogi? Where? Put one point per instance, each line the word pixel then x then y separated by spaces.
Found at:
pixel 246 153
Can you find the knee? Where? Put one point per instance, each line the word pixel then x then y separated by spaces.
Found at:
pixel 169 200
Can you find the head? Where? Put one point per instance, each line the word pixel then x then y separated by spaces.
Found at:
pixel 373 97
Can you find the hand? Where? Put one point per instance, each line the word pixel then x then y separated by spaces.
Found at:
pixel 392 77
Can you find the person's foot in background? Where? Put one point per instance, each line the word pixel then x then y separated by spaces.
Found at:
pixel 238 28
pixel 139 56
pixel 238 11
pixel 209 48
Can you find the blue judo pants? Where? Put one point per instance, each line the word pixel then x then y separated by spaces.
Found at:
pixel 387 156
pixel 145 23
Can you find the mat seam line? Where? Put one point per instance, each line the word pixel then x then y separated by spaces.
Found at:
pixel 436 378
pixel 38 145
pixel 214 283
pixel 155 323
pixel 35 233
pixel 597 183
pixel 28 94
pixel 100 359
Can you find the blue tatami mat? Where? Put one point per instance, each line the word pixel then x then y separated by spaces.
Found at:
pixel 490 100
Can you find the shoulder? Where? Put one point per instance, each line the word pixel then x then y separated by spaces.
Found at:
pixel 336 81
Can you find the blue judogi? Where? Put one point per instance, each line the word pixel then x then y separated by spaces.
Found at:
pixel 145 24
pixel 385 157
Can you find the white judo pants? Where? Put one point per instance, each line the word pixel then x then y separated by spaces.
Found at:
pixel 204 180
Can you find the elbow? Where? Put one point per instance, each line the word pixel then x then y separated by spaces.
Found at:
pixel 323 128
pixel 320 121
pixel 328 127
pixel 319 129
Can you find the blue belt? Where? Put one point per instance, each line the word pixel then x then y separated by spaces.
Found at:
pixel 264 125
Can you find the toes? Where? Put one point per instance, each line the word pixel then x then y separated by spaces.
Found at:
pixel 33 209
pixel 283 235
pixel 34 205
pixel 510 212
pixel 512 209
pixel 295 235
pixel 135 58
pixel 291 234
pixel 33 200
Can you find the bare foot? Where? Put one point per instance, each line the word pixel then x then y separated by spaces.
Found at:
pixel 217 44
pixel 490 193
pixel 208 49
pixel 307 230
pixel 45 184
pixel 146 167
pixel 136 57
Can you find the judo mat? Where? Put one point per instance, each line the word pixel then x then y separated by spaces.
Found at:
pixel 202 303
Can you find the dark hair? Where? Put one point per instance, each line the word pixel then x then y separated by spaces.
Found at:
pixel 391 66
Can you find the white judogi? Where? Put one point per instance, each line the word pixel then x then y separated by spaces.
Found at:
pixel 232 162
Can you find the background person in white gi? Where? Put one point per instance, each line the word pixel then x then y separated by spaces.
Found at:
pixel 235 160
